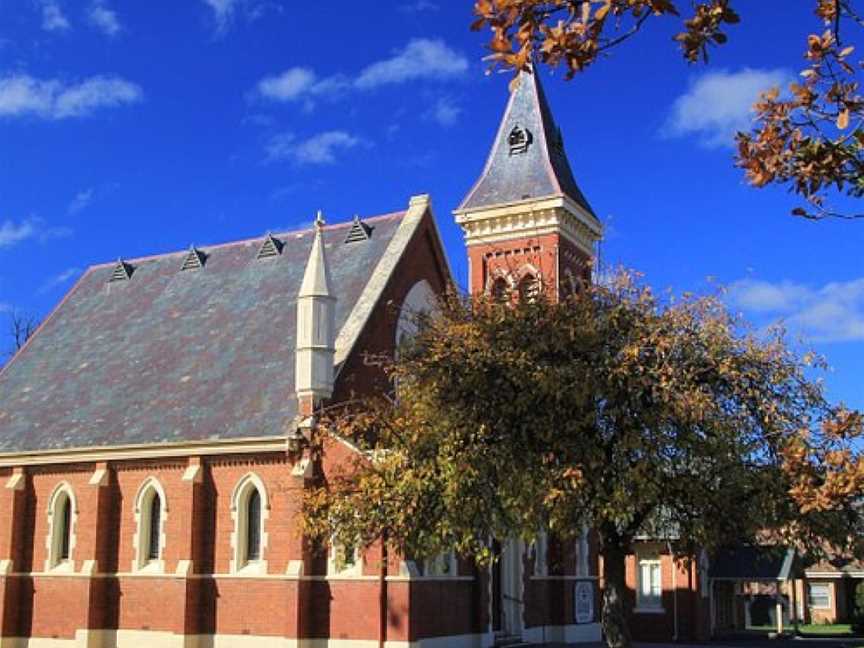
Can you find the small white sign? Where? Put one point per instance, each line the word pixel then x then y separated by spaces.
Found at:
pixel 584 602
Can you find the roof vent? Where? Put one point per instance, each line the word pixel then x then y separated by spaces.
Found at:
pixel 194 260
pixel 360 231
pixel 272 247
pixel 122 271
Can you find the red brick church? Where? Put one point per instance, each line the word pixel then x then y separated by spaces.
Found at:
pixel 150 470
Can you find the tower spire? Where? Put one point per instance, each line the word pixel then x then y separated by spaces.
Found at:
pixel 316 336
pixel 526 221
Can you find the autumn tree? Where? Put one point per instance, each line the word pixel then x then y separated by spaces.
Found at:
pixel 809 139
pixel 614 409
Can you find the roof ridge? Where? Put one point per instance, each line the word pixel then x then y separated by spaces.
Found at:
pixel 217 246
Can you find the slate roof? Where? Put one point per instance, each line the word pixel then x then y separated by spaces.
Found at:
pixel 171 355
pixel 541 170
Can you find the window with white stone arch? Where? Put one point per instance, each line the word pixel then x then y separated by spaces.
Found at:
pixel 250 508
pixel 442 565
pixel 62 518
pixel 151 514
pixel 344 562
pixel 420 299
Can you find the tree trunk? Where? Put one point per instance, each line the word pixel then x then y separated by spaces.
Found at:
pixel 614 615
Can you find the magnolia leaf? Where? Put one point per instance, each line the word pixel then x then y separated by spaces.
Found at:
pixel 843 119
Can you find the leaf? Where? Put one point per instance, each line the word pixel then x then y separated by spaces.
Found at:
pixel 843 119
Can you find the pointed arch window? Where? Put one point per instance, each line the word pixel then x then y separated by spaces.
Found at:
pixel 62 515
pixel 500 290
pixel 151 512
pixel 250 510
pixel 253 526
pixel 65 529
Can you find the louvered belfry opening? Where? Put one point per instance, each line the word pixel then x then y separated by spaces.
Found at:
pixel 122 271
pixel 359 231
pixel 194 260
pixel 272 247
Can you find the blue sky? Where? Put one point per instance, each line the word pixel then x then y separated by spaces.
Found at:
pixel 131 128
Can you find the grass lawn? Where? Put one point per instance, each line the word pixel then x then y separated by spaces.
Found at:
pixel 835 629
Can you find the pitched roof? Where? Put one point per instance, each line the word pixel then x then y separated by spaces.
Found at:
pixel 528 159
pixel 170 356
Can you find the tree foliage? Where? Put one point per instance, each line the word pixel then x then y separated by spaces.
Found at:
pixel 614 409
pixel 810 139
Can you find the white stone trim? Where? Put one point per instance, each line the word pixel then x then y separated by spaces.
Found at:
pixel 365 305
pixel 139 451
pixel 141 539
pixel 337 570
pixel 53 541
pixel 238 564
pixel 444 566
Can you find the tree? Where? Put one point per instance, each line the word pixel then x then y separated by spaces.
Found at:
pixel 810 140
pixel 611 409
pixel 21 327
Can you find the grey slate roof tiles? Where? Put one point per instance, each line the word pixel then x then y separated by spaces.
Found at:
pixel 169 356
pixel 534 166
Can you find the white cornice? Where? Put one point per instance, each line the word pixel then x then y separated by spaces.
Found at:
pixel 143 451
pixel 530 218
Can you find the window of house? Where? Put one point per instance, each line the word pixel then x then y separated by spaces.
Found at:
pixel 61 528
pixel 820 595
pixel 249 509
pixel 649 584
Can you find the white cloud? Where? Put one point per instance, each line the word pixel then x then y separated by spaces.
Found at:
pixel 22 95
pixel 53 19
pixel 419 5
pixel 720 103
pixel 104 19
pixel 81 201
pixel 830 313
pixel 299 83
pixel 12 233
pixel 59 279
pixel 223 11
pixel 318 149
pixel 445 111
pixel 421 58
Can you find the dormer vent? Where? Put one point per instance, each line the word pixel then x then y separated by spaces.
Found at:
pixel 195 260
pixel 122 271
pixel 272 247
pixel 360 231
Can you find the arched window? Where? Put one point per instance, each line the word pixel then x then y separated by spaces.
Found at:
pixel 151 511
pixel 529 288
pixel 253 526
pixel 250 510
pixel 65 528
pixel 500 290
pixel 155 528
pixel 61 528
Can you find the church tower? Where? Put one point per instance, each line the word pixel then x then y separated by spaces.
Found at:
pixel 527 225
